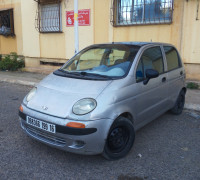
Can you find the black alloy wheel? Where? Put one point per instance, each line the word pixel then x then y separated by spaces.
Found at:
pixel 117 139
pixel 120 139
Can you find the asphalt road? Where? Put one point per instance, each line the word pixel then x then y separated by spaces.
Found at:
pixel 169 148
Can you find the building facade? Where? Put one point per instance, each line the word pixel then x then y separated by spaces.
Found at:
pixel 43 32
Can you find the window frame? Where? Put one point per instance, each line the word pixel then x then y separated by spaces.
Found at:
pixel 11 15
pixel 141 54
pixel 39 16
pixel 115 14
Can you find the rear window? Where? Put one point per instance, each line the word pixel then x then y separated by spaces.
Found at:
pixel 173 60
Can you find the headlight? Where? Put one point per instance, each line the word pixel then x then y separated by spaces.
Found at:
pixel 84 106
pixel 31 94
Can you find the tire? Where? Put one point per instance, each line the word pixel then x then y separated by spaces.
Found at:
pixel 120 139
pixel 178 108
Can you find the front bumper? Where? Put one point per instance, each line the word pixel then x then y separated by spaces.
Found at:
pixel 90 140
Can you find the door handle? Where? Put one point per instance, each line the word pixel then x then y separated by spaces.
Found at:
pixel 164 79
pixel 181 73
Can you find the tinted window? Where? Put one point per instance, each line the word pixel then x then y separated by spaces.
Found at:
pixel 151 59
pixel 172 58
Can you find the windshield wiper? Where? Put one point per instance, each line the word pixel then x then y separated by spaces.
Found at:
pixel 72 72
pixel 94 74
pixel 62 70
pixel 81 74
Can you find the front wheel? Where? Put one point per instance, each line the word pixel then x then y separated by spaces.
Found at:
pixel 120 139
pixel 178 108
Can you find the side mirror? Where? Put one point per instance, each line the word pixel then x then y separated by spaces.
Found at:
pixel 150 74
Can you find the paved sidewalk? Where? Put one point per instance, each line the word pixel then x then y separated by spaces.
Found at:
pixel 23 78
pixel 31 79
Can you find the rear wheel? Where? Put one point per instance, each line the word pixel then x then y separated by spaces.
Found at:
pixel 178 108
pixel 120 139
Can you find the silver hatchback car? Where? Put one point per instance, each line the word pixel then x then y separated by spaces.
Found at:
pixel 96 102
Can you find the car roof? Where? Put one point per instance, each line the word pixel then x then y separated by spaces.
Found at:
pixel 138 43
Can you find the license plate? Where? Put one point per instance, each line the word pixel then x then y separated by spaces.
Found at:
pixel 41 124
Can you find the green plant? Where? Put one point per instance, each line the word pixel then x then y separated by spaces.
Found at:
pixel 11 62
pixel 192 85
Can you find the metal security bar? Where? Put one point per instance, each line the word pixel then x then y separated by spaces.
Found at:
pixel 48 16
pixel 138 12
pixel 6 22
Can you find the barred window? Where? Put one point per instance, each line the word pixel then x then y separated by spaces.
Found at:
pixel 6 22
pixel 135 12
pixel 48 17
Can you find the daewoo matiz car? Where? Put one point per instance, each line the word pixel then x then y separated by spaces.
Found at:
pixel 96 101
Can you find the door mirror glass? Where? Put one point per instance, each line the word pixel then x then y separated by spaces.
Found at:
pixel 152 73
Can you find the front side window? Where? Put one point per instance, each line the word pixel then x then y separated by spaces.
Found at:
pixel 151 59
pixel 132 12
pixel 6 22
pixel 173 61
pixel 49 17
pixel 102 60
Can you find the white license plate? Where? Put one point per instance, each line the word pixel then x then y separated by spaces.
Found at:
pixel 41 124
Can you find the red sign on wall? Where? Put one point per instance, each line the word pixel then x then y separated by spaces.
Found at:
pixel 83 17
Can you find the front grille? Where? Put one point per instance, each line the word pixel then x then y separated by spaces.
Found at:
pixel 46 137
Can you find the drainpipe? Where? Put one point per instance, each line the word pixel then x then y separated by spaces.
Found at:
pixel 76 26
pixel 181 31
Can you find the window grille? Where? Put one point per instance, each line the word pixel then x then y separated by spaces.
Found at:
pixel 6 22
pixel 48 16
pixel 137 12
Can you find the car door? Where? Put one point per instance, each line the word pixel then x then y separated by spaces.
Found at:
pixel 151 99
pixel 175 71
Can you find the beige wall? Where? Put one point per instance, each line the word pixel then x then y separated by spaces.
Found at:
pixel 54 45
pixel 12 44
pixel 190 47
pixel 191 33
pixel 183 32
pixel 86 33
pixel 31 41
pixel 104 32
pixel 156 33
pixel 101 21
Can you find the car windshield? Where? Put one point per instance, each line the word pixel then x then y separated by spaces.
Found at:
pixel 113 60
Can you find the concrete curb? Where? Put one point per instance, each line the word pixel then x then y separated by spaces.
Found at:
pixel 194 107
pixel 15 81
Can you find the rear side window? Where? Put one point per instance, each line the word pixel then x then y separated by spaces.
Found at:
pixel 173 60
pixel 151 59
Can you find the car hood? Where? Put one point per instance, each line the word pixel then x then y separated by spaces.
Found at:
pixel 56 95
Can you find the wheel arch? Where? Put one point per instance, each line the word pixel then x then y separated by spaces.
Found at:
pixel 184 89
pixel 127 115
